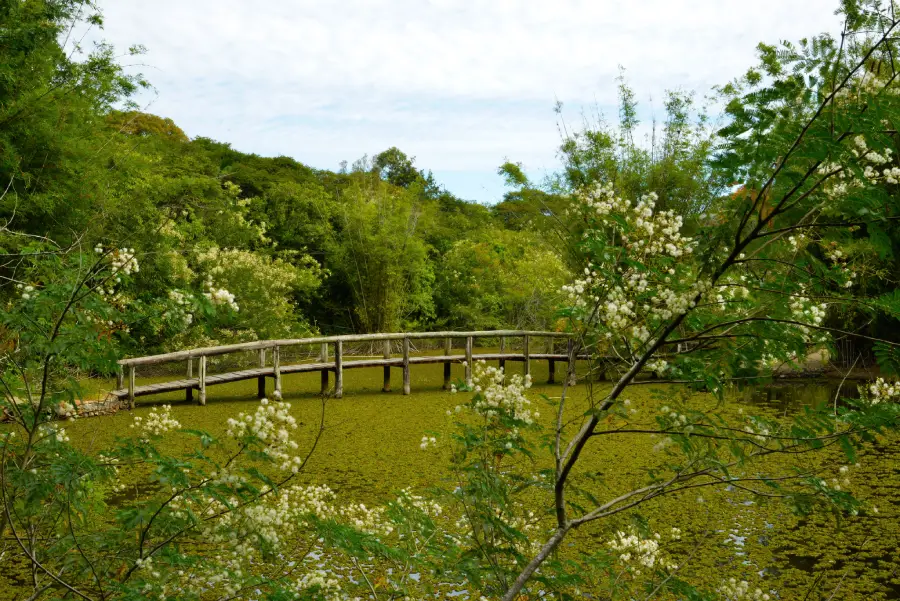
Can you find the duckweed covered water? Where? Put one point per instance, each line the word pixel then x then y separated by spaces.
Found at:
pixel 370 448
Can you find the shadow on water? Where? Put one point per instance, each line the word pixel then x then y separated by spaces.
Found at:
pixel 793 395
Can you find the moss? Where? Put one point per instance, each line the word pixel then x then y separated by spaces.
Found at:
pixel 370 448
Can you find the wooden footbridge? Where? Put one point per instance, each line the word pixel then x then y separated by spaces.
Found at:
pixel 331 359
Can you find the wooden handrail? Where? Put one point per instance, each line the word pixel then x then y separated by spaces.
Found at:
pixel 261 373
pixel 273 344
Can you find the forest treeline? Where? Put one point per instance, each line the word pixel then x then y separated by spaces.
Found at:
pixel 278 248
pixel 233 246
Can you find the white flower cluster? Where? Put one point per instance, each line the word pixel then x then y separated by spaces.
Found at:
pixel 732 288
pixel 646 552
pixel 808 312
pixel 240 533
pixel 842 479
pixel 659 366
pixel 181 310
pixel 156 423
pixel 26 291
pixel 892 175
pixel 797 242
pixel 220 296
pixel 278 516
pixel 103 324
pixel 669 303
pixel 429 507
pixel 617 312
pixel 273 522
pixel 109 294
pixel 112 462
pixel 673 417
pixel 123 261
pixel 844 178
pixel 53 432
pixel 882 391
pixel 613 285
pixel 326 585
pixel 739 590
pixel 839 259
pixel 862 150
pixel 758 430
pixel 271 424
pixel 427 441
pixel 650 233
pixel 495 398
pixel 662 444
pixel 370 520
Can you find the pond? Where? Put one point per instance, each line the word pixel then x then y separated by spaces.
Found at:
pixel 370 449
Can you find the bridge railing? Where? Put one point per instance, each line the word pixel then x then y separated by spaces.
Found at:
pixel 331 358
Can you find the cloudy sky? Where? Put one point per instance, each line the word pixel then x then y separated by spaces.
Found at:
pixel 462 85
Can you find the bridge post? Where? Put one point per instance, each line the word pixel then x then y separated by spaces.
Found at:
pixel 120 378
pixel 276 366
pixel 503 350
pixel 323 375
pixel 448 342
pixel 189 392
pixel 551 379
pixel 469 361
pixel 202 367
pixel 527 352
pixel 338 368
pixel 131 386
pixel 406 365
pixel 570 369
pixel 261 380
pixel 387 368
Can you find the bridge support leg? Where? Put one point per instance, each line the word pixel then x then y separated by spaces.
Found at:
pixel 189 391
pixel 323 374
pixel 469 361
pixel 503 350
pixel 447 344
pixel 406 389
pixel 527 352
pixel 131 386
pixel 261 381
pixel 387 368
pixel 570 369
pixel 276 366
pixel 120 378
pixel 551 379
pixel 338 369
pixel 203 380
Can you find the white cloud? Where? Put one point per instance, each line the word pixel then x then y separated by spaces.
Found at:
pixel 459 84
